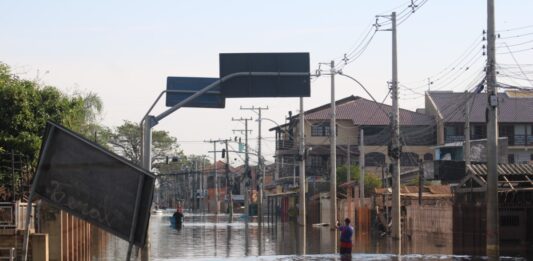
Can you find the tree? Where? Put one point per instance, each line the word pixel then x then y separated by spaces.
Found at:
pixel 371 181
pixel 25 108
pixel 126 141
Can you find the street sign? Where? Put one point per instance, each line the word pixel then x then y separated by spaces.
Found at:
pixel 265 86
pixel 180 88
pixel 84 179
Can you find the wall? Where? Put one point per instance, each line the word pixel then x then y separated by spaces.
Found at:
pixel 420 150
pixel 70 238
pixel 431 222
pixel 346 132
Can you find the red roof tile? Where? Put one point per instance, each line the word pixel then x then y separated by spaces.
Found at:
pixel 365 112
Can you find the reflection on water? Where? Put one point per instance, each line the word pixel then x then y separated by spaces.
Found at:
pixel 210 237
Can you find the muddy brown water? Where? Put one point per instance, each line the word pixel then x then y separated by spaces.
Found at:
pixel 210 237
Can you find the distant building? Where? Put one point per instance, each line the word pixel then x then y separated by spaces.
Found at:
pixel 418 135
pixel 515 117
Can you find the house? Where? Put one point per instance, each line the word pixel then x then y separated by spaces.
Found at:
pixel 353 114
pixel 515 203
pixel 219 170
pixel 515 117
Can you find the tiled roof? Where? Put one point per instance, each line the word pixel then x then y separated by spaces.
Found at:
pixel 221 167
pixel 517 109
pixel 365 112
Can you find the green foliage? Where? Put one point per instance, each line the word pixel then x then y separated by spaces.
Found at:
pixel 126 141
pixel 371 180
pixel 27 106
pixel 342 173
pixel 414 182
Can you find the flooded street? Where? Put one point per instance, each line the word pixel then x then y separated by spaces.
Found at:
pixel 210 237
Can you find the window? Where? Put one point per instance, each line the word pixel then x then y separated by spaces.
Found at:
pixel 522 157
pixel 321 129
pixel 510 158
pixel 409 159
pixel 316 161
pixel 509 221
pixel 479 132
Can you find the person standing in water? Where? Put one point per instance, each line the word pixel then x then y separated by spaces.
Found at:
pixel 346 237
pixel 178 217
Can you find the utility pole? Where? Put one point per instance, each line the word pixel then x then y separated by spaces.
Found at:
pixel 216 172
pixel 194 185
pixel 302 213
pixel 333 153
pixel 493 225
pixel 246 162
pixel 396 146
pixel 361 168
pixel 202 187
pixel 260 174
pixel 420 181
pixel 349 178
pixel 229 185
pixel 466 153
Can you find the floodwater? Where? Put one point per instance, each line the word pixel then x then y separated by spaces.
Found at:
pixel 210 237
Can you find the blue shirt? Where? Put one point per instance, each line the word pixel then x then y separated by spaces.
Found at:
pixel 346 233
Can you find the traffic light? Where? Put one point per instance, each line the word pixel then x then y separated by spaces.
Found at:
pixel 223 153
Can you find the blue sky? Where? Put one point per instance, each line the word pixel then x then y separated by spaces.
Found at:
pixel 124 50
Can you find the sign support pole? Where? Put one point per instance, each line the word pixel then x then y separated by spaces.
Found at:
pixel 150 121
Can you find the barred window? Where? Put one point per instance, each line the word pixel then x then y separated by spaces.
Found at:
pixel 321 129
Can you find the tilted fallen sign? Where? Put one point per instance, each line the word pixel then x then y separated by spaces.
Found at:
pixel 91 183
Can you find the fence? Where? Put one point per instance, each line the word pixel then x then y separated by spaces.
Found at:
pixel 7 253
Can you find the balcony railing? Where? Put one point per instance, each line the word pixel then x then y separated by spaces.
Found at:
pixel 521 140
pixel 284 144
pixel 513 140
pixel 454 138
pixel 462 138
